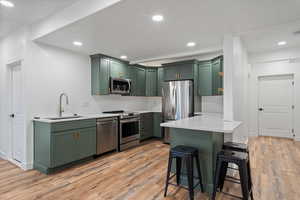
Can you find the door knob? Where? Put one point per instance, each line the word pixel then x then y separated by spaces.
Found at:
pixel 260 109
pixel 12 115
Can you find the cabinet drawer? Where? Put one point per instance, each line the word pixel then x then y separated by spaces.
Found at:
pixel 71 125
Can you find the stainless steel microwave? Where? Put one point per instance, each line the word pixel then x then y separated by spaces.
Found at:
pixel 120 86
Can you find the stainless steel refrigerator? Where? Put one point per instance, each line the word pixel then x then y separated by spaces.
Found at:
pixel 177 102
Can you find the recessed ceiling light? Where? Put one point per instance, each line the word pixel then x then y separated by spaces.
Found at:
pixel 281 43
pixel 77 43
pixel 191 44
pixel 157 18
pixel 123 57
pixel 7 3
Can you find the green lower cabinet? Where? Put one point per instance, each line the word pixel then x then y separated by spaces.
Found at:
pixel 63 146
pixel 57 145
pixel 86 143
pixel 146 125
pixel 157 120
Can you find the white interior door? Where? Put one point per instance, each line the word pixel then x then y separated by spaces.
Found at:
pixel 17 115
pixel 276 106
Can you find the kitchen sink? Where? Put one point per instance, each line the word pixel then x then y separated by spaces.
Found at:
pixel 67 117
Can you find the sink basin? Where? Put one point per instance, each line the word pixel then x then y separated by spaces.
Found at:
pixel 67 117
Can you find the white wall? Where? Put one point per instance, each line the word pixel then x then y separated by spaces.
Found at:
pixel 11 49
pixel 236 70
pixel 285 61
pixel 48 72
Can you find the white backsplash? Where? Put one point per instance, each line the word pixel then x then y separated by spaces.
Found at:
pixel 212 104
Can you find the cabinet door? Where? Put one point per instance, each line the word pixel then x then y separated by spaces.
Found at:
pixel 141 82
pixel 85 143
pixel 100 76
pixel 185 72
pixel 133 77
pixel 146 125
pixel 151 82
pixel 170 73
pixel 157 120
pixel 160 80
pixel 217 77
pixel 63 148
pixel 118 69
pixel 205 79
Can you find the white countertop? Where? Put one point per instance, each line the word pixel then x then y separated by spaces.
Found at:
pixel 85 116
pixel 212 122
pixel 90 116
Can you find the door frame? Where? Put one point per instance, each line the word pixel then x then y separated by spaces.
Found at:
pixel 292 75
pixel 9 156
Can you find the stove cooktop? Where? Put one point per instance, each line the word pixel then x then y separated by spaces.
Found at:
pixel 123 114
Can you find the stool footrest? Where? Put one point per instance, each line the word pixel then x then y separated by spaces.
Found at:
pixel 184 187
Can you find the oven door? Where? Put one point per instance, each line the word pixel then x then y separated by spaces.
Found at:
pixel 129 130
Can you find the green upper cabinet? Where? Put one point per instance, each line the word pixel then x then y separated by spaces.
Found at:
pixel 100 75
pixel 141 82
pixel 118 69
pixel 170 73
pixel 217 76
pixel 183 70
pixel 102 68
pixel 151 82
pixel 210 77
pixel 160 80
pixel 205 79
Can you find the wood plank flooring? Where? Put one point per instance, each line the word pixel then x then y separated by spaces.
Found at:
pixel 139 174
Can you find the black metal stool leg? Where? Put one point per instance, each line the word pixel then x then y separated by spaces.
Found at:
pixel 244 180
pixel 190 167
pixel 216 181
pixel 199 173
pixel 168 173
pixel 223 174
pixel 250 184
pixel 178 170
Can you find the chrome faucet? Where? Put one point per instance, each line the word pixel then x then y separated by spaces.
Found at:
pixel 61 109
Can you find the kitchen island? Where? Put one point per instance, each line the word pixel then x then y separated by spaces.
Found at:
pixel 206 133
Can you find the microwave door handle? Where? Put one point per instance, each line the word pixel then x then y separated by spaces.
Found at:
pixel 129 83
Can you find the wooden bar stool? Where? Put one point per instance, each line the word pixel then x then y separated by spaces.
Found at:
pixel 184 154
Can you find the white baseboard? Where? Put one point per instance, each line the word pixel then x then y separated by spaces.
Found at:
pixel 24 166
pixel 253 133
pixel 3 155
pixel 297 139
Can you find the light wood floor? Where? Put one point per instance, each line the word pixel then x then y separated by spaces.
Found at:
pixel 139 174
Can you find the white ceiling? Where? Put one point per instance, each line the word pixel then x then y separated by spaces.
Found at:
pixel 127 28
pixel 27 12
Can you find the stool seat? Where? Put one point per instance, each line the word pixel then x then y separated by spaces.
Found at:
pixel 182 150
pixel 233 155
pixel 235 146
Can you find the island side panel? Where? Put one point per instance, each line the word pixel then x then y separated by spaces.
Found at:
pixel 208 144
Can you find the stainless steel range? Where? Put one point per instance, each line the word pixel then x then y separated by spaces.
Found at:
pixel 129 129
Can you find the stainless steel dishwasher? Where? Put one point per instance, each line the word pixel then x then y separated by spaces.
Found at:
pixel 107 134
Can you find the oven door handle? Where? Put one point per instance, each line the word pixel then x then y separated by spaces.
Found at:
pixel 129 120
